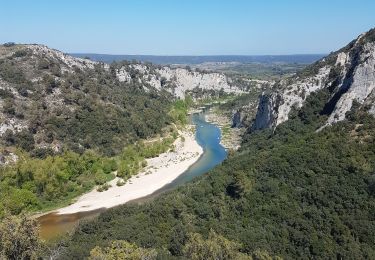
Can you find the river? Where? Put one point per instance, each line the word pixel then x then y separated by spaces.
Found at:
pixel 208 137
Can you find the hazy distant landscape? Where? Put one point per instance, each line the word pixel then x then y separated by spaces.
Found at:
pixel 257 66
pixel 109 58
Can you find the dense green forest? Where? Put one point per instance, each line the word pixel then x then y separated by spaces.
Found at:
pixel 292 193
pixel 42 179
pixel 33 184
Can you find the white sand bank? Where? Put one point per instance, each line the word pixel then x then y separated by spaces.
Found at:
pixel 159 172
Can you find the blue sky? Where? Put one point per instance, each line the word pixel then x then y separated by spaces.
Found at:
pixel 183 27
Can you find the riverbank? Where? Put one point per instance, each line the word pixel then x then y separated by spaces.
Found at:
pixel 231 138
pixel 160 171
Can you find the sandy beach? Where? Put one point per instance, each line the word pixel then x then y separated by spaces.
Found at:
pixel 160 171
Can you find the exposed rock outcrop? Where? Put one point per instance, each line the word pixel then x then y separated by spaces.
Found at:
pixel 188 80
pixel 266 114
pixel 348 75
pixel 177 80
pixel 359 80
pixel 67 62
pixel 237 118
pixel 242 117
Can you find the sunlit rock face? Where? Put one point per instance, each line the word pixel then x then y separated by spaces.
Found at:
pixel 188 80
pixel 177 80
pixel 348 75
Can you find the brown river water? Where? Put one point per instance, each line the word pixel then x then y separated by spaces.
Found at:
pixel 52 225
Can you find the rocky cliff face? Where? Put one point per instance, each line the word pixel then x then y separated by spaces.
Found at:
pixel 244 115
pixel 266 113
pixel 348 75
pixel 187 80
pixel 176 80
pixel 237 118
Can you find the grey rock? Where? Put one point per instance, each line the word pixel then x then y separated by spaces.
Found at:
pixel 348 75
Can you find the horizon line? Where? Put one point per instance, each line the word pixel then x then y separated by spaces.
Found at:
pixel 199 55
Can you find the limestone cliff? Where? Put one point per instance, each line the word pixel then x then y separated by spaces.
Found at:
pixel 176 80
pixel 348 75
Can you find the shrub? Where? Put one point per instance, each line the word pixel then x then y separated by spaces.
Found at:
pixel 25 140
pixel 6 93
pixel 20 53
pixel 43 64
pixel 19 238
pixel 104 187
pixel 9 44
pixel 120 183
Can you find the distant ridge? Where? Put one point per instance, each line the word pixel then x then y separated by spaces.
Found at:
pixel 297 58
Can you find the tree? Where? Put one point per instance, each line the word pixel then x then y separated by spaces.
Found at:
pixel 216 247
pixel 19 238
pixel 371 184
pixel 240 185
pixel 16 200
pixel 263 255
pixel 121 249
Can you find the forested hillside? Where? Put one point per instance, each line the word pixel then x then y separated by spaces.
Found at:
pixel 294 191
pixel 51 103
pixel 68 124
pixel 62 122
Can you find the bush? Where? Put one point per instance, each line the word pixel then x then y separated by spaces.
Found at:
pixel 43 64
pixel 20 53
pixel 50 83
pixel 109 165
pixel 9 107
pixel 19 238
pixel 6 93
pixel 120 183
pixel 9 44
pixel 9 137
pixel 42 153
pixel 18 200
pixel 103 187
pixel 25 140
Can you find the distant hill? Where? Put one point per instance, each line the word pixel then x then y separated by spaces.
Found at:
pixel 298 58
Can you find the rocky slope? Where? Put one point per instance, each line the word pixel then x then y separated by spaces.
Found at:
pixel 347 76
pixel 50 100
pixel 177 81
pixel 21 67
